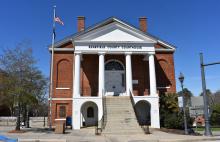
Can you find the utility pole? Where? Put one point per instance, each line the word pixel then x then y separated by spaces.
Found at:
pixel 205 99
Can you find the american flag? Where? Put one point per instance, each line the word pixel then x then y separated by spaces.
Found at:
pixel 58 20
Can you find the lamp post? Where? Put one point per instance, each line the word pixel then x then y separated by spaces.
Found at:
pixel 181 79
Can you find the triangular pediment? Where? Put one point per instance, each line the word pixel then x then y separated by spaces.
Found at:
pixel 117 35
pixel 115 32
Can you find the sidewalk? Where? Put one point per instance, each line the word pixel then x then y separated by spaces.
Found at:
pixel 87 135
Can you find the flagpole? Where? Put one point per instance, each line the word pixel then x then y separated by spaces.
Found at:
pixel 51 70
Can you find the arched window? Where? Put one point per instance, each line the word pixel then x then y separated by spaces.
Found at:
pixel 113 65
pixel 63 74
pixel 90 112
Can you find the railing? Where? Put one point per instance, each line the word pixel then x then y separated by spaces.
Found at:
pixel 104 116
pixel 101 124
pixel 133 102
pixel 144 128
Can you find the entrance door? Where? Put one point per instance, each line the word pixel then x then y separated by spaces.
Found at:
pixel 114 78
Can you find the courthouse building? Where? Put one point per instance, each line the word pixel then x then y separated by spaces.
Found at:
pixel 111 59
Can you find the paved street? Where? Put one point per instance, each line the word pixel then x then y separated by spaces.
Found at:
pixel 87 135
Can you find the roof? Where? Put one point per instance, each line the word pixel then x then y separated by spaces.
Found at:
pixel 106 22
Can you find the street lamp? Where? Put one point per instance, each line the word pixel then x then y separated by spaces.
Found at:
pixel 181 79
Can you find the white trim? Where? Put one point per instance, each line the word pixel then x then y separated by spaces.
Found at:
pixel 161 42
pixel 164 50
pixel 62 99
pixel 166 87
pixel 60 88
pixel 62 49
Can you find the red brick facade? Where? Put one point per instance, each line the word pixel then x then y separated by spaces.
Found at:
pixel 64 71
pixel 64 62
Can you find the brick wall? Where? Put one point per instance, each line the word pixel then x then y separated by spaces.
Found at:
pixel 89 75
pixel 140 72
pixel 62 78
pixel 55 108
pixel 165 72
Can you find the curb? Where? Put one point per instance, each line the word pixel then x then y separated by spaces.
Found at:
pixel 189 140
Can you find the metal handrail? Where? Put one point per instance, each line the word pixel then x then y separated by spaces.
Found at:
pixel 145 129
pixel 104 111
pixel 133 102
pixel 101 124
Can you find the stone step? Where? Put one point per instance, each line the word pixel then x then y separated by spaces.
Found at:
pixel 122 114
pixel 121 131
pixel 112 122
pixel 121 126
pixel 125 130
pixel 118 108
pixel 120 117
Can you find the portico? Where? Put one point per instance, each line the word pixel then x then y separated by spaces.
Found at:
pixel 101 84
pixel 127 50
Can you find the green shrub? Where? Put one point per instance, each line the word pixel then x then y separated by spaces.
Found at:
pixel 173 121
pixel 215 116
pixel 170 114
pixel 176 121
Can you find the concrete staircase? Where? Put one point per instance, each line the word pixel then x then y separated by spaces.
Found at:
pixel 120 117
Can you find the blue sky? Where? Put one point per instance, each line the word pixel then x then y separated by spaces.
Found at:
pixel 193 26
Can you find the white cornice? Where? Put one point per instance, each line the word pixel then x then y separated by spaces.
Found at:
pixel 164 50
pixel 62 49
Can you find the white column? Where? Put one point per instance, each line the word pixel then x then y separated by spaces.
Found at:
pixel 101 74
pixel 76 119
pixel 129 87
pixel 76 91
pixel 152 75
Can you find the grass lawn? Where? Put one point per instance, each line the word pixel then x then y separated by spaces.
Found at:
pixel 202 129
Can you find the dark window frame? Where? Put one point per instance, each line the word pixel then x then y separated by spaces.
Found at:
pixel 113 65
pixel 62 111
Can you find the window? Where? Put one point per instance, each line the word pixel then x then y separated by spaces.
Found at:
pixel 90 112
pixel 63 74
pixel 62 112
pixel 113 65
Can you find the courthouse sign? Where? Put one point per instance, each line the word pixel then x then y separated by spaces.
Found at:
pixel 114 47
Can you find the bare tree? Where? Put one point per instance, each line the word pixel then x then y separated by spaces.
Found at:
pixel 24 86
